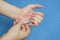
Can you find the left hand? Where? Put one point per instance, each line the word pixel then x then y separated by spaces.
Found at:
pixel 27 11
pixel 17 31
pixel 36 18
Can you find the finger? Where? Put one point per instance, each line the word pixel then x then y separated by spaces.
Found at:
pixel 34 6
pixel 27 26
pixel 23 28
pixel 39 13
pixel 35 23
pixel 28 30
pixel 39 17
pixel 36 19
pixel 19 24
pixel 31 24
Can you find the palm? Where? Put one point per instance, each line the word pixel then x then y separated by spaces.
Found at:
pixel 27 12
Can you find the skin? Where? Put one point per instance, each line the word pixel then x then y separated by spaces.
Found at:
pixel 35 18
pixel 17 32
pixel 18 13
pixel 14 12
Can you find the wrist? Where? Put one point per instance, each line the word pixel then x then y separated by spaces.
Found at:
pixel 17 14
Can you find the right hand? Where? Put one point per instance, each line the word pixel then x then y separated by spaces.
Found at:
pixel 17 32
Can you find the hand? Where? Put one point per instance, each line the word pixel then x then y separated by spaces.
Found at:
pixel 28 11
pixel 24 32
pixel 36 18
pixel 17 32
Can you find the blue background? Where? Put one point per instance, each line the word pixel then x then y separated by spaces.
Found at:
pixel 49 29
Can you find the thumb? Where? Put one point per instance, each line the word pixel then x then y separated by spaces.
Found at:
pixel 34 6
pixel 17 26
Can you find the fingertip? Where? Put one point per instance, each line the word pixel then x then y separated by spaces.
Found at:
pixel 41 13
pixel 38 6
pixel 35 6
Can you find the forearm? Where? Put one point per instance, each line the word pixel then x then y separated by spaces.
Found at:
pixel 4 37
pixel 8 10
